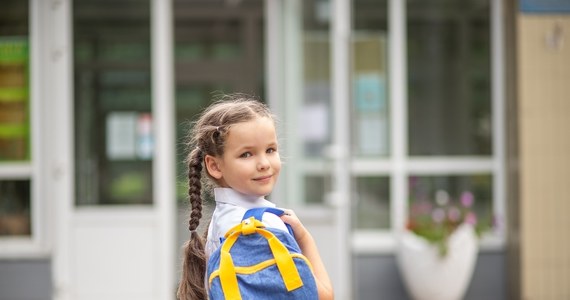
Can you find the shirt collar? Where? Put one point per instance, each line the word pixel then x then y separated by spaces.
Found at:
pixel 231 196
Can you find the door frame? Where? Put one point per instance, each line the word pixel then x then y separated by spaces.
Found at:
pixel 284 51
pixel 55 18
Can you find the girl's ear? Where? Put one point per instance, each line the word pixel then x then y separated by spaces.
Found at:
pixel 213 167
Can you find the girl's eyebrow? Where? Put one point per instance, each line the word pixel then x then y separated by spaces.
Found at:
pixel 249 147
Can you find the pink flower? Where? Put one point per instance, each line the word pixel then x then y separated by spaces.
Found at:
pixel 453 214
pixel 467 199
pixel 438 215
pixel 471 218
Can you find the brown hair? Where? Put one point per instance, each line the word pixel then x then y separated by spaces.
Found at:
pixel 207 138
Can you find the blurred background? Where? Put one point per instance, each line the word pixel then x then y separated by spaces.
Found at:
pixel 376 100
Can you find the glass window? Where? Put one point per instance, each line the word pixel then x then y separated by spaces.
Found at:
pixel 370 119
pixel 113 117
pixel 449 79
pixel 372 202
pixel 315 122
pixel 14 85
pixel 15 210
pixel 370 79
pixel 15 132
pixel 316 187
pixel 424 188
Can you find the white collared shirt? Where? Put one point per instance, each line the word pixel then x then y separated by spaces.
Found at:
pixel 230 208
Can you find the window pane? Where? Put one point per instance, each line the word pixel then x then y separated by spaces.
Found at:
pixel 113 118
pixel 218 49
pixel 449 78
pixel 15 208
pixel 424 188
pixel 316 187
pixel 14 85
pixel 218 43
pixel 370 75
pixel 372 203
pixel 315 121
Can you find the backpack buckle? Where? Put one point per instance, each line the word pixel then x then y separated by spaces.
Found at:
pixel 248 226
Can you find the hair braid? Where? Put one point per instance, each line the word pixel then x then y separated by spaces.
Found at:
pixel 192 283
pixel 195 188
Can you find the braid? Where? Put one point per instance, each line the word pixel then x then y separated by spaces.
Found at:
pixel 192 282
pixel 194 188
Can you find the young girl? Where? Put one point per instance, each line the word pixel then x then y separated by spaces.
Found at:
pixel 234 143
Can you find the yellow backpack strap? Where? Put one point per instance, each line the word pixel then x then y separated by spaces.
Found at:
pixel 284 261
pixel 228 277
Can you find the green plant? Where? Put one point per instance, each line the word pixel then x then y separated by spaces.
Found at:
pixel 436 220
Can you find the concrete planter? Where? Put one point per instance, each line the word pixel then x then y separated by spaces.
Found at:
pixel 427 275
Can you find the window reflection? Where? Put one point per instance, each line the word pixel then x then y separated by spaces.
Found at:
pixel 15 133
pixel 424 188
pixel 449 79
pixel 316 187
pixel 315 120
pixel 370 109
pixel 14 85
pixel 113 118
pixel 372 203
pixel 15 208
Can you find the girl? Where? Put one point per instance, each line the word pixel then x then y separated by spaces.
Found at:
pixel 235 143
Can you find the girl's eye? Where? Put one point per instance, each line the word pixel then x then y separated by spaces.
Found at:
pixel 245 155
pixel 271 150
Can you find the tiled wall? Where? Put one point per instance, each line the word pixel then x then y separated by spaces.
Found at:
pixel 543 63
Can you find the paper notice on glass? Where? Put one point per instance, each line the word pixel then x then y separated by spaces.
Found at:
pixel 314 123
pixel 372 135
pixel 121 135
pixel 370 92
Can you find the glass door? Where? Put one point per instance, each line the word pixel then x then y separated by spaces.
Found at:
pixel 113 115
pixel 316 115
pixel 111 83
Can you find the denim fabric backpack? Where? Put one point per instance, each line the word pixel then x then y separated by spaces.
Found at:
pixel 254 262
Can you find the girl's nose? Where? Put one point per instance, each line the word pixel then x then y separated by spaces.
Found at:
pixel 263 163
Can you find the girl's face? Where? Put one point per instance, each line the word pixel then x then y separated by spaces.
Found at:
pixel 250 163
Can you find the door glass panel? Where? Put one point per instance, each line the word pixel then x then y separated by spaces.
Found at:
pixel 315 122
pixel 370 109
pixel 316 187
pixel 449 77
pixel 372 202
pixel 113 117
pixel 423 189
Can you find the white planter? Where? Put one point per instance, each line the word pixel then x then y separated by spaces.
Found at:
pixel 427 275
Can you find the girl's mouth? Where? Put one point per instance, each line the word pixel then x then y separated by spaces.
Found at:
pixel 263 178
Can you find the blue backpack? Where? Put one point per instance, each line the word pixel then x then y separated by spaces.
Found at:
pixel 254 262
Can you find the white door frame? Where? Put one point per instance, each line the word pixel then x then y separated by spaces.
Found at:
pixel 284 86
pixel 156 222
pixel 341 90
